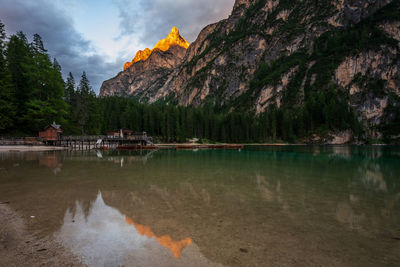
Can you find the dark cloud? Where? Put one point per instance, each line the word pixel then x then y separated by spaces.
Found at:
pixel 73 52
pixel 151 20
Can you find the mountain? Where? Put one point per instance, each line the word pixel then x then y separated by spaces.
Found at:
pixel 149 69
pixel 331 62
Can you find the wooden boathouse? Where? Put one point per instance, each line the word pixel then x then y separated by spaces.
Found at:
pixel 51 133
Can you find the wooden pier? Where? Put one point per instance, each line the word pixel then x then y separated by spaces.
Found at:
pixel 102 142
pixel 137 141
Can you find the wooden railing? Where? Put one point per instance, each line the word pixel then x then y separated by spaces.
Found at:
pixel 4 140
pixel 85 138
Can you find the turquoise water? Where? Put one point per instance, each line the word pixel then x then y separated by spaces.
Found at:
pixel 261 206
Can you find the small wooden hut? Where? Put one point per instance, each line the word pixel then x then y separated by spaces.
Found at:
pixel 52 132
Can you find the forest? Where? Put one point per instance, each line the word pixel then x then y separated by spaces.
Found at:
pixel 33 94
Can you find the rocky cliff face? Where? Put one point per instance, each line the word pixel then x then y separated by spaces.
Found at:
pixel 280 53
pixel 145 76
pixel 149 69
pixel 223 60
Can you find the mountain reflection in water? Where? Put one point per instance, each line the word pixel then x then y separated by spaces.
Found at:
pixel 105 237
pixel 176 247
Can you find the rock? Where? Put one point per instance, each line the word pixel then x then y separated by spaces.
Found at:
pixel 340 138
pixel 243 250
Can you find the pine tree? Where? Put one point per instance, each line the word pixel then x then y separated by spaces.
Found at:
pixel 82 102
pixel 20 64
pixel 87 107
pixel 7 98
pixel 38 44
pixel 70 97
pixel 56 65
pixel 70 91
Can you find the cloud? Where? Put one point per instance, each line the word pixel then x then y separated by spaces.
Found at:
pixel 151 20
pixel 63 41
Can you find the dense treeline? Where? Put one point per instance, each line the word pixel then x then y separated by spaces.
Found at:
pixel 175 123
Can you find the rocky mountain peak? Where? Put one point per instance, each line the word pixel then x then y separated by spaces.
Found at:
pixel 173 38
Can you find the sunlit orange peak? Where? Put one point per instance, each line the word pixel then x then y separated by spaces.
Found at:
pixel 173 38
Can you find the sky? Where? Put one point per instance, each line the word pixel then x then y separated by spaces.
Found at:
pixel 99 36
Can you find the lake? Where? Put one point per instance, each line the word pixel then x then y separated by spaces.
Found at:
pixel 261 206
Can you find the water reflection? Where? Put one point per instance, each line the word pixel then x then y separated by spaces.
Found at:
pixel 176 247
pixel 373 178
pixel 51 161
pixel 346 215
pixel 239 209
pixel 126 157
pixel 105 237
pixel 341 151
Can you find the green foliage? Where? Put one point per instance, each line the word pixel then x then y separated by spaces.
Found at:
pixel 169 123
pixel 272 75
pixel 86 107
pixel 374 87
pixel 32 87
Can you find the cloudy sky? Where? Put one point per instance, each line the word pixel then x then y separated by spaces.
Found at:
pixel 99 36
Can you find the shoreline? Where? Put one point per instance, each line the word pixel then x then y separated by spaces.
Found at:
pixel 269 144
pixel 25 148
pixel 20 247
pixel 28 148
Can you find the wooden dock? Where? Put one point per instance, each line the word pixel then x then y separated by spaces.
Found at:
pixel 103 142
pixel 106 142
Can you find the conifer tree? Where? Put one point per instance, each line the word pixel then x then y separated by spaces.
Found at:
pixel 38 44
pixel 56 65
pixel 87 107
pixel 20 63
pixel 70 91
pixel 7 98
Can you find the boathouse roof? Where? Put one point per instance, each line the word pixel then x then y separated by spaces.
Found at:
pixel 54 125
